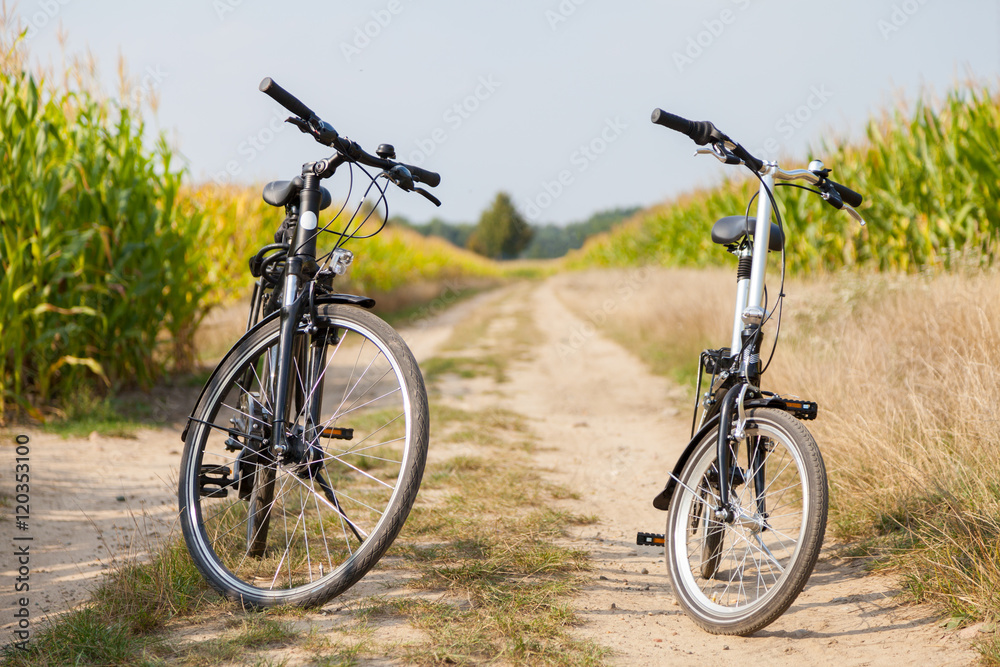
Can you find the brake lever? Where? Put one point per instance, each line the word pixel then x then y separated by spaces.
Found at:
pixel 299 123
pixel 833 198
pixel 709 151
pixel 854 214
pixel 320 130
pixel 727 156
pixel 431 198
pixel 720 153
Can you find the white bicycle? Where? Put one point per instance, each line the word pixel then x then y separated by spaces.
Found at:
pixel 747 499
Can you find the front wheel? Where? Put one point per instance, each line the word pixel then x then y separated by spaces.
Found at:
pixel 737 566
pixel 301 526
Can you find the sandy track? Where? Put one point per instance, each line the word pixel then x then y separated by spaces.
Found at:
pixel 92 500
pixel 607 429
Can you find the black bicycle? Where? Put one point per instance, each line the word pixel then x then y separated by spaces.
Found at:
pixel 305 450
pixel 747 500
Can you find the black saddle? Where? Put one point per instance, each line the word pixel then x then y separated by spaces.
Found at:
pixel 281 193
pixel 732 228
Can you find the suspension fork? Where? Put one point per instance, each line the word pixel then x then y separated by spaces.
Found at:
pixel 300 267
pixel 290 310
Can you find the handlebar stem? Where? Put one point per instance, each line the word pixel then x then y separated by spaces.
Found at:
pixel 309 200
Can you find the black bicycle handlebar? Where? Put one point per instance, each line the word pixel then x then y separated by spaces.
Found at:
pixel 328 136
pixel 702 132
pixel 286 99
pixel 352 150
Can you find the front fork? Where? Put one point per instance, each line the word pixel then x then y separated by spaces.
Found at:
pixel 308 354
pixel 291 310
pixel 732 403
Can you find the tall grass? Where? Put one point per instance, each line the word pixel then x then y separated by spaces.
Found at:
pixel 929 176
pixel 906 372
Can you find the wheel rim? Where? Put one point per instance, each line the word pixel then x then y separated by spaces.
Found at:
pixel 750 565
pixel 313 531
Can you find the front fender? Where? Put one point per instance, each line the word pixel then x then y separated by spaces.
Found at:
pixel 800 409
pixel 662 499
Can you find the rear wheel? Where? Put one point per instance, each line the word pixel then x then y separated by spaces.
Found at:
pixel 303 526
pixel 736 574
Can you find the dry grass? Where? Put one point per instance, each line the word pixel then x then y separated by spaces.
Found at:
pixel 905 369
pixel 908 370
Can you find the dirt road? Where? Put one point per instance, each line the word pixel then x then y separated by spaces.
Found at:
pixel 608 429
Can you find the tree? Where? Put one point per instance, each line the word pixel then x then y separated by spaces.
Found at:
pixel 502 233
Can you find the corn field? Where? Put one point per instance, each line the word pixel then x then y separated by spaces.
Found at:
pixel 108 263
pixel 101 272
pixel 241 222
pixel 932 198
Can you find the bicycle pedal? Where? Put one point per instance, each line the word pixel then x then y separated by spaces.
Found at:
pixel 804 410
pixel 214 481
pixel 338 433
pixel 650 540
pixel 800 409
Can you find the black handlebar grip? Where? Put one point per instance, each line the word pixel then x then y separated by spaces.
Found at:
pixel 700 132
pixel 671 122
pixel 848 195
pixel 430 178
pixel 285 99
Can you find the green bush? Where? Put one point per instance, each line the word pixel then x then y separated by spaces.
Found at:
pixel 932 198
pixel 101 279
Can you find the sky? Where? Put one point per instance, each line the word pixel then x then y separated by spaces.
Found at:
pixel 548 100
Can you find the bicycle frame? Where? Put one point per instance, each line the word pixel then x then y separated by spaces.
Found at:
pixel 742 387
pixel 748 318
pixel 750 292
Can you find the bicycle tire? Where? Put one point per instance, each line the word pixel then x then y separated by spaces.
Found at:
pixel 759 567
pixel 336 504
